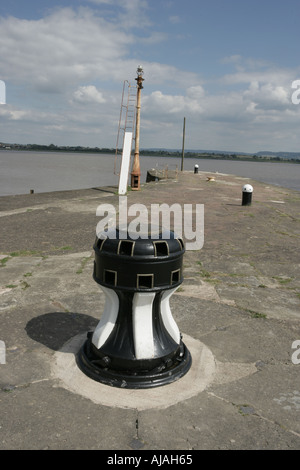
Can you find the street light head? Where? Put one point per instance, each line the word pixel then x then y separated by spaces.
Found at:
pixel 140 70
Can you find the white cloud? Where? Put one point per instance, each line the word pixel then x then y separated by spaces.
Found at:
pixel 262 86
pixel 195 92
pixel 268 95
pixel 88 94
pixel 61 49
pixel 270 74
pixel 11 114
pixel 70 48
pixel 158 103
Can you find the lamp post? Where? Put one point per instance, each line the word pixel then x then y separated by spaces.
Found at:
pixel 136 170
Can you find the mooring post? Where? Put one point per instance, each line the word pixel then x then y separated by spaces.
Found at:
pixel 137 343
pixel 247 191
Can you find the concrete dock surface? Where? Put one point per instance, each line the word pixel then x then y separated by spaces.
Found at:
pixel 238 310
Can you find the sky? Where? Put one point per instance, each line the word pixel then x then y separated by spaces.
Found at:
pixel 227 66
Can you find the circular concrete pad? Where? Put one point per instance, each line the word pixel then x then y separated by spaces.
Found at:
pixel 200 375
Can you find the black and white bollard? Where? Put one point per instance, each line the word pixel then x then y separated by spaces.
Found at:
pixel 137 343
pixel 247 195
pixel 196 168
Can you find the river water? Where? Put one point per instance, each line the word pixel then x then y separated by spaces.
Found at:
pixel 22 171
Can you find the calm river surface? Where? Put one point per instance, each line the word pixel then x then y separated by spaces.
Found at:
pixel 54 171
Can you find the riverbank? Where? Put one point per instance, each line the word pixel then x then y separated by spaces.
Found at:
pixel 237 309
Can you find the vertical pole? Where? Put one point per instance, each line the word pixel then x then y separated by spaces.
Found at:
pixel 183 138
pixel 136 170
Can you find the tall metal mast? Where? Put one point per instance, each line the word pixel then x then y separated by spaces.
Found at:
pixel 136 170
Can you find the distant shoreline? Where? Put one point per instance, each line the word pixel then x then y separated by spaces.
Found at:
pixel 151 153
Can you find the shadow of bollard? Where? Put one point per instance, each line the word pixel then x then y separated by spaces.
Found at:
pixel 56 328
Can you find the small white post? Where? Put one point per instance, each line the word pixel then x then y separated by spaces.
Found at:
pixel 124 173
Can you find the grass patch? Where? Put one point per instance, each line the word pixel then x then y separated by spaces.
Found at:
pixel 11 286
pixel 23 253
pixel 258 315
pixel 83 263
pixel 282 280
pixel 3 261
pixel 204 273
pixel 180 289
pixel 293 235
pixel 254 314
pixel 213 281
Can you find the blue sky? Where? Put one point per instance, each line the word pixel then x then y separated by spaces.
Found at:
pixel 227 66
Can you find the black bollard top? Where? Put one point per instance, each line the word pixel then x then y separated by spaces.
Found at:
pixel 143 262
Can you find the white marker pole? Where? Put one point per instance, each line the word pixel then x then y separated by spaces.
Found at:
pixel 124 173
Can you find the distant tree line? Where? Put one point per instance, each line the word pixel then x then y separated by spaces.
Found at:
pixel 268 157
